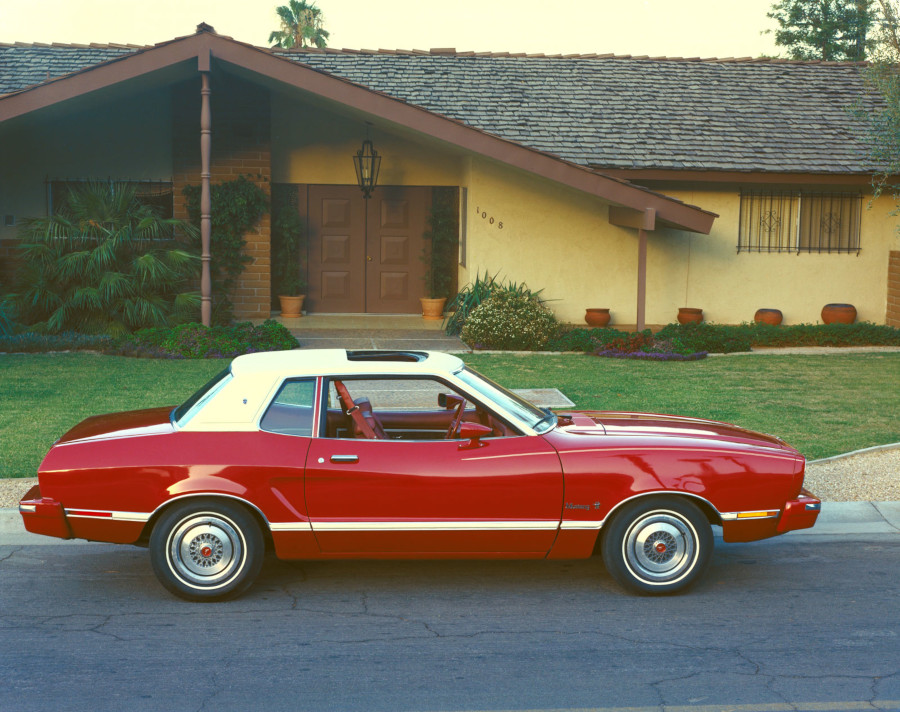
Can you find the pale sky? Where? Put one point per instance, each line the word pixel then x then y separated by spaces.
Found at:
pixel 675 28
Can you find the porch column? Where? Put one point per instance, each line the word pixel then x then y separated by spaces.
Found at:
pixel 205 200
pixel 643 220
pixel 642 280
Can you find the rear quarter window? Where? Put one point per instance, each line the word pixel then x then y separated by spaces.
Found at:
pixel 291 411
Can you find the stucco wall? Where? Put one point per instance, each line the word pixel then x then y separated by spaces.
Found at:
pixel 707 272
pixel 313 145
pixel 559 240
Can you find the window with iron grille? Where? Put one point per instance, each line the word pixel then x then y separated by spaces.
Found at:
pixel 799 221
pixel 156 193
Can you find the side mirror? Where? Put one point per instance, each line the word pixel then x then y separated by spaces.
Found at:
pixel 473 432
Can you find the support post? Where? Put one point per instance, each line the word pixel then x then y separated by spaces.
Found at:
pixel 205 200
pixel 642 280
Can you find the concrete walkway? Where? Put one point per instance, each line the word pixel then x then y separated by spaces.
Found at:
pixel 371 331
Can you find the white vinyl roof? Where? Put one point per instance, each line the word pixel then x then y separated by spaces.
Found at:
pixel 326 362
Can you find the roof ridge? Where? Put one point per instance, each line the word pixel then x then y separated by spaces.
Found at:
pixel 452 52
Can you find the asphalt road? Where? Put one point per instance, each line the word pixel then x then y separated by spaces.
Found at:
pixel 803 622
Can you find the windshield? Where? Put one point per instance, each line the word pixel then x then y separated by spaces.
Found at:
pixel 538 419
pixel 183 413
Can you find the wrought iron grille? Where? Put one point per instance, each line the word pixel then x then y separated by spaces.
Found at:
pixel 799 221
pixel 157 193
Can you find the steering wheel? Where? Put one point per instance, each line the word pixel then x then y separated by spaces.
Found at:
pixel 460 404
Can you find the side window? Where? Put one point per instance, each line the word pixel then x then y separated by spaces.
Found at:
pixel 291 411
pixel 397 409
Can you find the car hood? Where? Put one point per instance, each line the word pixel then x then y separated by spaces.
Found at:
pixel 151 421
pixel 615 423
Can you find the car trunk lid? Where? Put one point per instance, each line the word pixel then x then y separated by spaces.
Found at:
pixel 151 421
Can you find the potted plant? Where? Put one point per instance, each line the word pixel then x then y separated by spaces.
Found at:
pixel 288 241
pixel 597 316
pixel 838 313
pixel 438 254
pixel 690 315
pixel 768 316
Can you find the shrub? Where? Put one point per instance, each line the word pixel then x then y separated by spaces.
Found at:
pixel 104 263
pixel 237 206
pixel 713 338
pixel 198 341
pixel 580 339
pixel 7 316
pixel 288 242
pixel 861 333
pixel 510 320
pixel 471 296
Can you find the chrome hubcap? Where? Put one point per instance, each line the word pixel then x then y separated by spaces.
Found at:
pixel 660 547
pixel 206 550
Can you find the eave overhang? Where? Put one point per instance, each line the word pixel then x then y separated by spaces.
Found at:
pixel 206 47
pixel 709 177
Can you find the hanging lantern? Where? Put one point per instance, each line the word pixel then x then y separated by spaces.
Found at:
pixel 367 163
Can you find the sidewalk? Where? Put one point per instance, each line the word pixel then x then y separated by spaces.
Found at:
pixel 838 519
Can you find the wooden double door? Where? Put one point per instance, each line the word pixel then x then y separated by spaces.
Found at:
pixel 365 256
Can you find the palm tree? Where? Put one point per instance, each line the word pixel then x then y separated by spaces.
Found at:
pixel 301 26
pixel 105 262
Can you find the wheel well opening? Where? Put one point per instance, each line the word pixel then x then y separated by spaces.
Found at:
pixel 144 539
pixel 712 516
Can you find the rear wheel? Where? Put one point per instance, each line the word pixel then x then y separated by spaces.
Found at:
pixel 657 545
pixel 205 550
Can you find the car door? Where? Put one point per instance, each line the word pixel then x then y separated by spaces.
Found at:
pixel 433 497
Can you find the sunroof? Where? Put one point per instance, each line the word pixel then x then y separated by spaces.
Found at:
pixel 395 356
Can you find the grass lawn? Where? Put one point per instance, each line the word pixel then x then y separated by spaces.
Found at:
pixel 824 405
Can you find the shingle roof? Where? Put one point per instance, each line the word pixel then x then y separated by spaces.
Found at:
pixel 597 111
pixel 24 65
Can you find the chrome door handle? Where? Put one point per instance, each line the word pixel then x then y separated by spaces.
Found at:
pixel 345 458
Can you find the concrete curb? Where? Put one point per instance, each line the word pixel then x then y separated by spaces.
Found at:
pixel 843 455
pixel 838 519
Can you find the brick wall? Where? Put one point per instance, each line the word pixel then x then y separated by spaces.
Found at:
pixel 240 145
pixel 892 318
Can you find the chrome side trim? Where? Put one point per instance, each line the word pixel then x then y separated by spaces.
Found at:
pixel 213 495
pixel 573 524
pixel 527 525
pixel 290 527
pixel 28 508
pixel 676 493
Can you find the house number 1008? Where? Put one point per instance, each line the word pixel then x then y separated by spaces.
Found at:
pixel 484 216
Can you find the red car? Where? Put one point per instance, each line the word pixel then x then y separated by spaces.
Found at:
pixel 407 454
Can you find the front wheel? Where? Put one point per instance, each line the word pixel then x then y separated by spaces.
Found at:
pixel 657 545
pixel 206 550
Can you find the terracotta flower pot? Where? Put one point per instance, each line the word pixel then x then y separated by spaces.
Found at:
pixel 597 317
pixel 291 307
pixel 839 313
pixel 689 315
pixel 768 316
pixel 432 309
